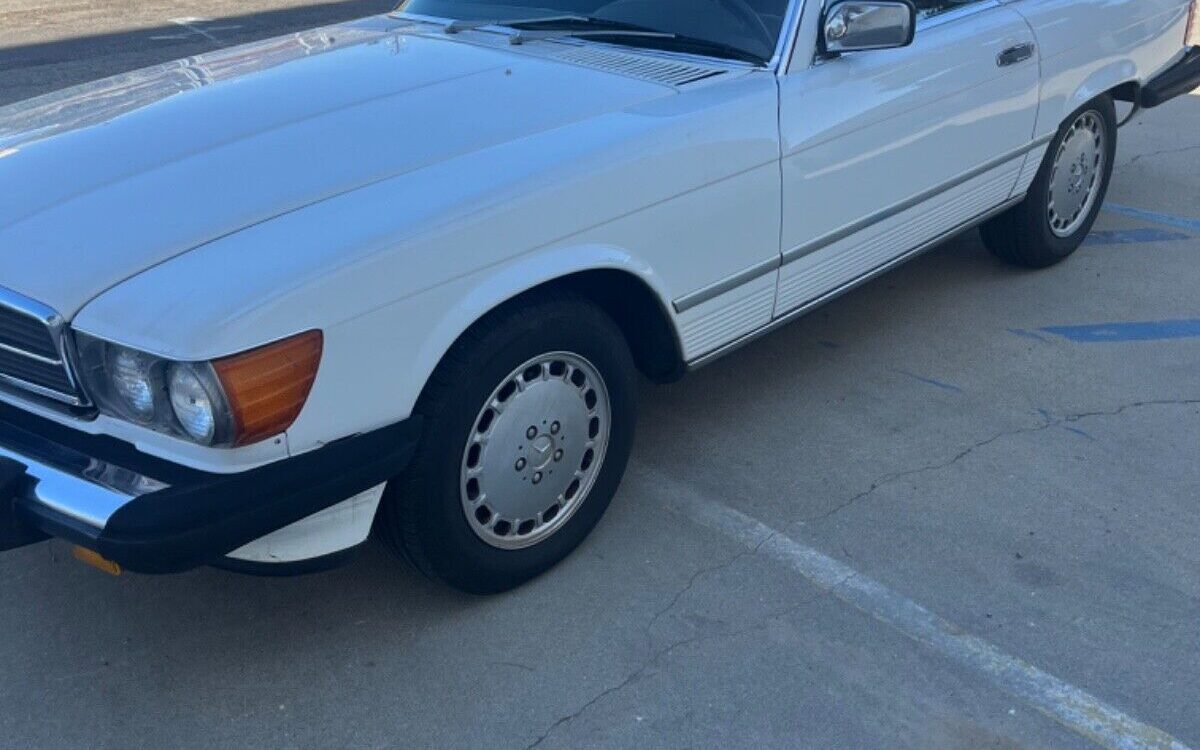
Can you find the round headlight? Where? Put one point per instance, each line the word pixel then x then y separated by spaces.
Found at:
pixel 131 379
pixel 192 404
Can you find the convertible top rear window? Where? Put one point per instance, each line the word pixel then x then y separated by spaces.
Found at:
pixel 751 27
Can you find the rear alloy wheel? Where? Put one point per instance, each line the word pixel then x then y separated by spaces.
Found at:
pixel 1077 173
pixel 529 422
pixel 1065 197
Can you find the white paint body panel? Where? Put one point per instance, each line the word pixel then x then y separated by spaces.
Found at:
pixel 389 185
pixel 1090 47
pixel 867 132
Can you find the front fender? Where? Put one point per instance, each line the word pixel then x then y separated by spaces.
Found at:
pixel 490 290
pixel 376 365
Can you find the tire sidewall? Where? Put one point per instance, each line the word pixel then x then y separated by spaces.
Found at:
pixel 451 545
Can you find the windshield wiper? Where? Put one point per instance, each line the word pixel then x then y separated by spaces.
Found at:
pixel 533 35
pixel 603 27
pixel 455 27
pixel 634 32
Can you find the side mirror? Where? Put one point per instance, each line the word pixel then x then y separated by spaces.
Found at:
pixel 857 25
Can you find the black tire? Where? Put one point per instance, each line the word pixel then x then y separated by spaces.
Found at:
pixel 1023 235
pixel 422 515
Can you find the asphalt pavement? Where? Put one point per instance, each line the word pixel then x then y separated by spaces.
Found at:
pixel 957 508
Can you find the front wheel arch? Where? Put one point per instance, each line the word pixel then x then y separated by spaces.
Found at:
pixel 635 307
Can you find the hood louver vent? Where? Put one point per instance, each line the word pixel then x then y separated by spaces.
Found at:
pixel 669 72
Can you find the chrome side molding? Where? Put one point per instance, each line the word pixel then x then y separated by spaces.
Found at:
pixel 711 292
pixel 847 287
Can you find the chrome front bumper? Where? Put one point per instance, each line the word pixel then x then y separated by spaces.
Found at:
pixel 153 516
pixel 77 486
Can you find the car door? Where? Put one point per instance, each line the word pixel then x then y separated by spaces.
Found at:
pixel 886 151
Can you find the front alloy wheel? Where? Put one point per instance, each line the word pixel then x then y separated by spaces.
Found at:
pixel 529 421
pixel 536 450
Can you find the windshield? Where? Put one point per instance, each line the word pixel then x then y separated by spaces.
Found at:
pixel 744 29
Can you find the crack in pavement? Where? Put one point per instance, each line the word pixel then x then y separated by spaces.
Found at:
pixel 657 657
pixel 694 579
pixel 513 665
pixel 1048 424
pixel 665 652
pixel 1162 152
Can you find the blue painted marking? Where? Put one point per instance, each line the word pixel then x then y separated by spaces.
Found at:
pixel 1179 222
pixel 1134 237
pixel 931 381
pixel 1028 335
pixel 1162 330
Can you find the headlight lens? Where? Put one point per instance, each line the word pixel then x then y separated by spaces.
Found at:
pixel 229 402
pixel 194 406
pixel 133 382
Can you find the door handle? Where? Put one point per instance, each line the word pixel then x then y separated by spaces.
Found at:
pixel 1017 54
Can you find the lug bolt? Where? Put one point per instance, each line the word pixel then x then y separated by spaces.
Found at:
pixel 531 433
pixel 537 477
pixel 520 464
pixel 554 428
pixel 558 454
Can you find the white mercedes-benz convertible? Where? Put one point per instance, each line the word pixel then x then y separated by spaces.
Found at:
pixel 401 274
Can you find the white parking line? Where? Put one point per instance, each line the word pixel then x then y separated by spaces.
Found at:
pixel 1070 706
pixel 195 27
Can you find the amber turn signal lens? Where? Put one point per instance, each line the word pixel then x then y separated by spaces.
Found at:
pixel 267 387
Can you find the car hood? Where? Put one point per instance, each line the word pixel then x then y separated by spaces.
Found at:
pixel 101 182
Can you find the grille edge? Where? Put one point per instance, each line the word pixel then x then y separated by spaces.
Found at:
pixel 32 353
